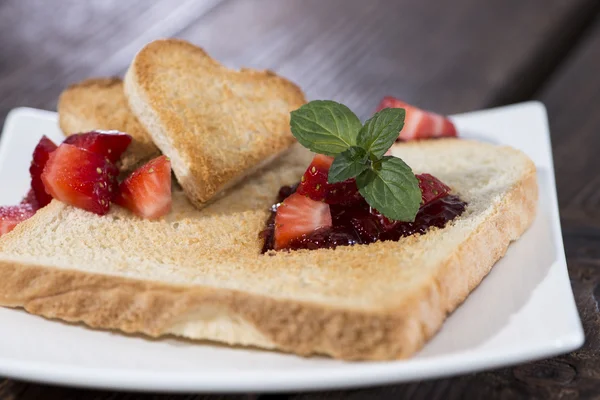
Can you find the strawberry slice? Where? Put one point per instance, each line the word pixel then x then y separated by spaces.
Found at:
pixel 108 144
pixel 314 184
pixel 420 124
pixel 11 216
pixel 41 153
pixel 147 191
pixel 298 215
pixel 80 178
pixel 431 188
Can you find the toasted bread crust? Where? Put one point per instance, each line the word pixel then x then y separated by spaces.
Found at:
pixel 100 104
pixel 214 138
pixel 304 328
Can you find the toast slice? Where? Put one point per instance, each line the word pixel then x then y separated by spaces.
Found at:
pixel 200 274
pixel 217 125
pixel 100 104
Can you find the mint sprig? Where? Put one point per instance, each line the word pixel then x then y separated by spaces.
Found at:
pixel 386 183
pixel 325 127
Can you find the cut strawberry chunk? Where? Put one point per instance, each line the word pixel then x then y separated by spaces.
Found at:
pixel 314 181
pixel 11 216
pixel 298 215
pixel 40 157
pixel 431 188
pixel 418 123
pixel 80 178
pixel 108 144
pixel 314 184
pixel 147 191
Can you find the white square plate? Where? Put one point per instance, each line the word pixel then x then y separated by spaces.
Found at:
pixel 523 310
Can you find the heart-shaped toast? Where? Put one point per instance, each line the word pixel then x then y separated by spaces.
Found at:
pixel 216 124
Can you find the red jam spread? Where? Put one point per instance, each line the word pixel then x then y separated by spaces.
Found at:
pixel 359 224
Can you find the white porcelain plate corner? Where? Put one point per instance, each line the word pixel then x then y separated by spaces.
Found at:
pixel 523 310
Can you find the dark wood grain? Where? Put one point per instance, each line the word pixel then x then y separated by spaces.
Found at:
pixel 13 390
pixel 449 58
pixel 46 45
pixel 572 102
pixel 452 57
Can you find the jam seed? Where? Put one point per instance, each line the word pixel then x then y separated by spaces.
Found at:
pixel 99 170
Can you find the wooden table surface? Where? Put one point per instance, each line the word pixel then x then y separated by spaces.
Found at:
pixel 447 56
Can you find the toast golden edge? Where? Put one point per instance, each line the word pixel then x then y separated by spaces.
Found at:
pixel 304 328
pixel 71 116
pixel 65 116
pixel 194 178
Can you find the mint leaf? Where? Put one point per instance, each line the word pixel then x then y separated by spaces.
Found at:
pixel 381 131
pixel 348 164
pixel 325 127
pixel 391 188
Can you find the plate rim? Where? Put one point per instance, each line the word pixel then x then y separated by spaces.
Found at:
pixel 337 377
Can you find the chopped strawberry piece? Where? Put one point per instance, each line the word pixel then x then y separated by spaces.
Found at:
pixel 40 157
pixel 431 188
pixel 105 143
pixel 298 215
pixel 147 191
pixel 314 181
pixel 11 216
pixel 418 123
pixel 314 184
pixel 80 178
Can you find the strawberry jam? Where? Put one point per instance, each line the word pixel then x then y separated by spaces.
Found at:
pixel 360 224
